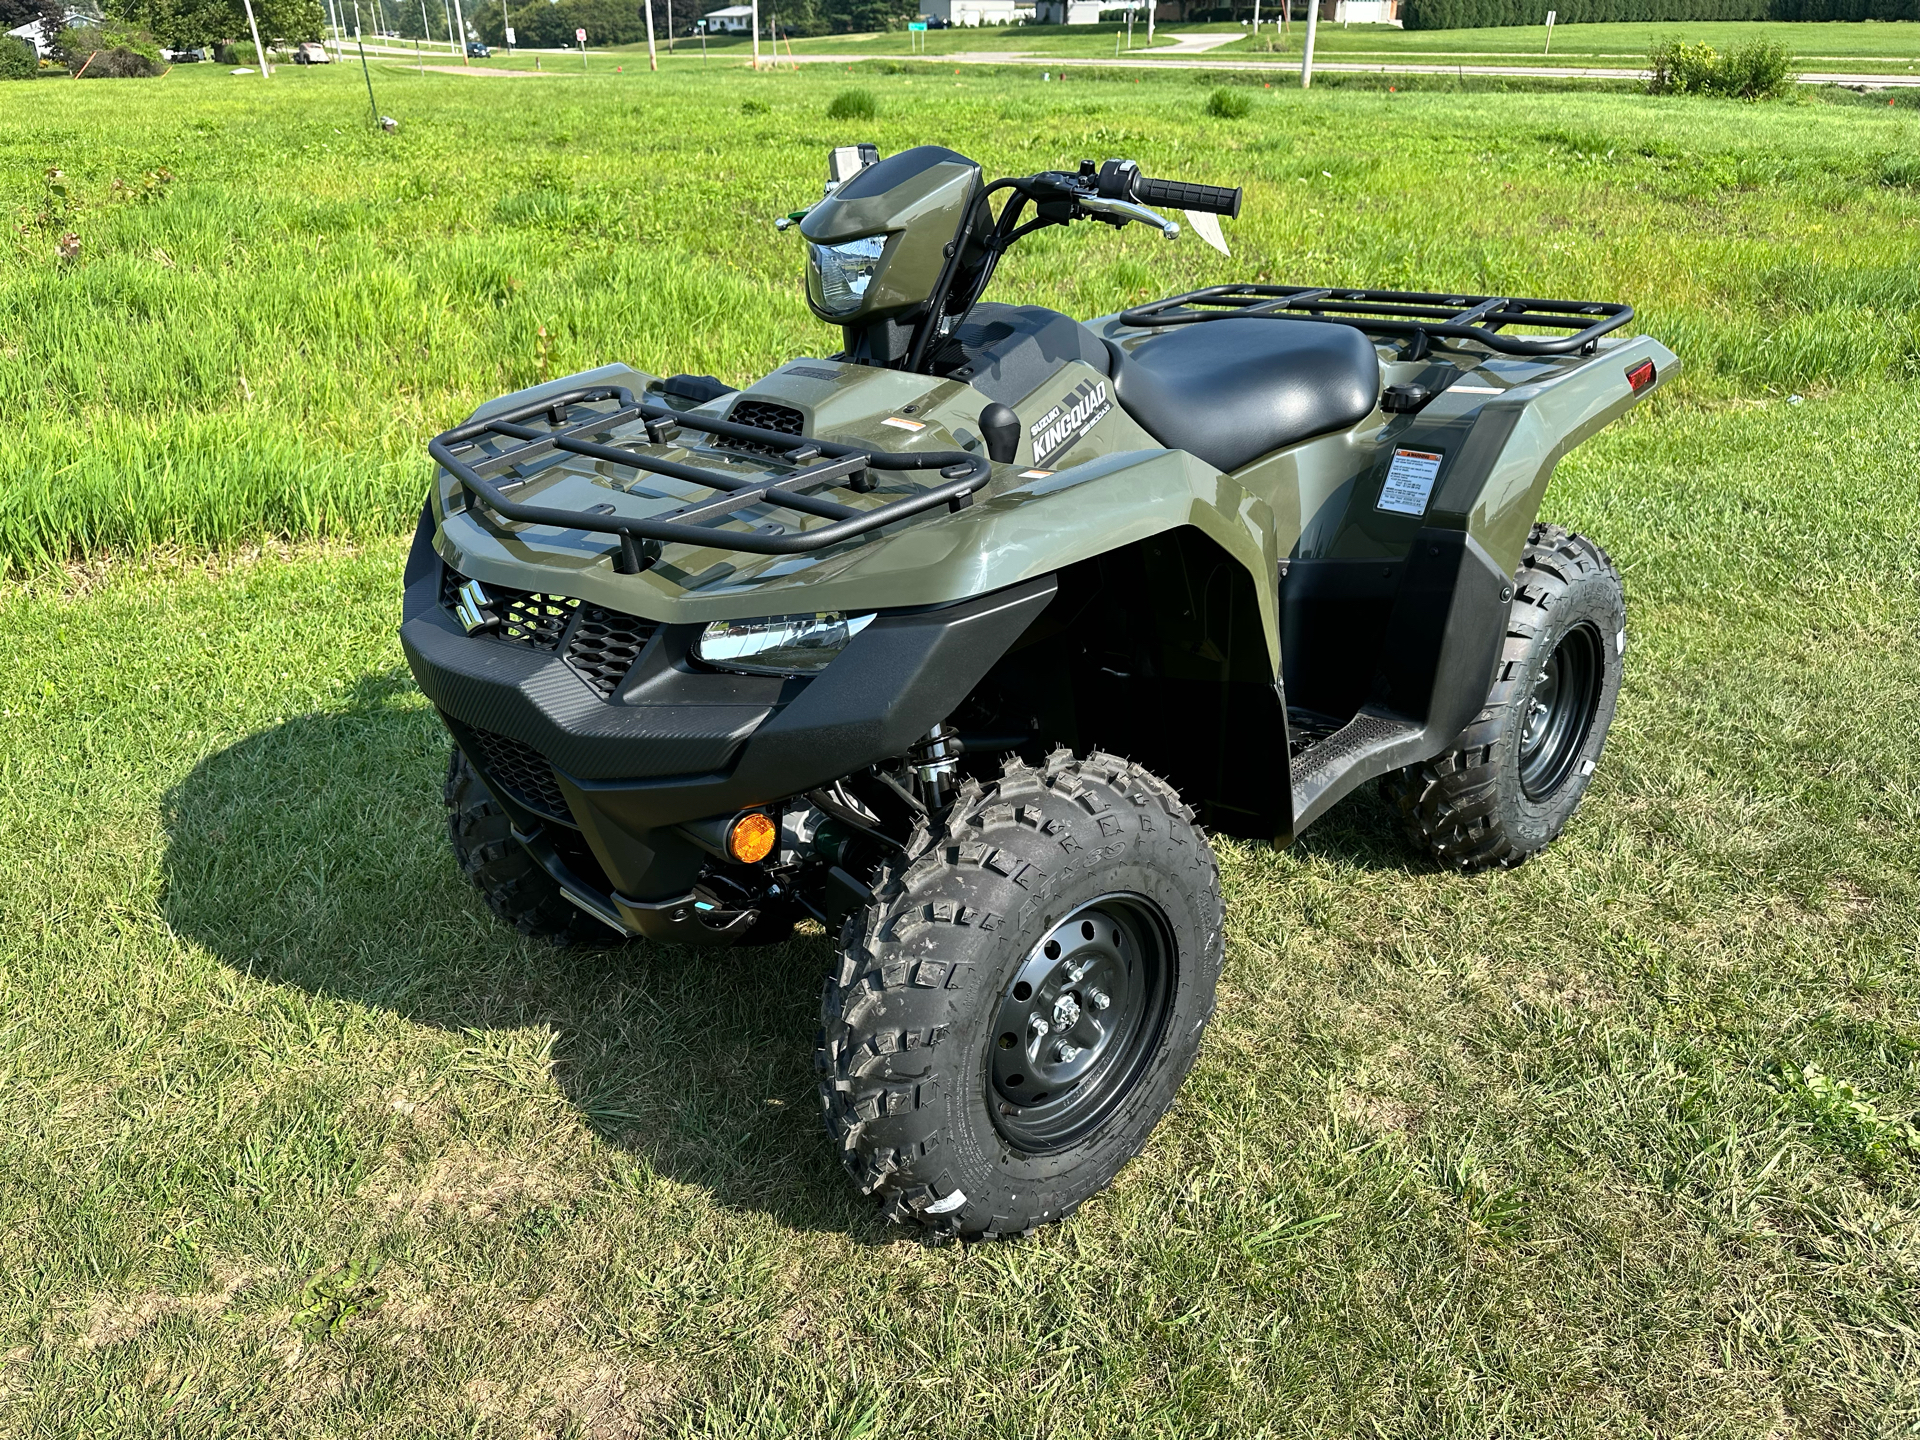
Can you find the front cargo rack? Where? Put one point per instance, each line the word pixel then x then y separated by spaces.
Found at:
pixel 486 446
pixel 1417 314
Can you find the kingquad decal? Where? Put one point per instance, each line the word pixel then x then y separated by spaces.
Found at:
pixel 1057 431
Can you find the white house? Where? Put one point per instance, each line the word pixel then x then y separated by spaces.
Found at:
pixel 30 32
pixel 1364 12
pixel 970 12
pixel 1069 12
pixel 734 20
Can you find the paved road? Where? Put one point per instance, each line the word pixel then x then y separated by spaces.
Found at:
pixel 1169 59
pixel 1292 67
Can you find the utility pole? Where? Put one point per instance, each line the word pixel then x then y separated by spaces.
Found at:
pixel 669 27
pixel 756 35
pixel 1306 58
pixel 461 21
pixel 446 17
pixel 653 61
pixel 261 50
pixel 506 26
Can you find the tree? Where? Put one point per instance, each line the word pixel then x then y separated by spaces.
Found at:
pixel 185 24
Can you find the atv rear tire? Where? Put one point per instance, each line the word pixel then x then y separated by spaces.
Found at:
pixel 1519 770
pixel 517 890
pixel 1010 1019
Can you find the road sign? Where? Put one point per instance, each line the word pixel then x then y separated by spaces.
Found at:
pixel 915 25
pixel 581 36
pixel 510 38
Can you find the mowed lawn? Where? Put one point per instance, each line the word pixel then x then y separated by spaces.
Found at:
pixel 295 1140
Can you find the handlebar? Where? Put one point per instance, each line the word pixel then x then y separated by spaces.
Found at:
pixel 1182 195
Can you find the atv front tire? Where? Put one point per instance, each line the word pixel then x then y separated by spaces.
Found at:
pixel 517 890
pixel 1517 773
pixel 1013 1015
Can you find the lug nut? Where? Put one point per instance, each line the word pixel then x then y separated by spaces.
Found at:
pixel 1041 1027
pixel 1064 1052
pixel 1100 999
pixel 1074 971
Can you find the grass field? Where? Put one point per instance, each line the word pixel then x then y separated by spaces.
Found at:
pixel 296 1141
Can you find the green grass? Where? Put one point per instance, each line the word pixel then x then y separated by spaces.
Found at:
pixel 258 348
pixel 297 1141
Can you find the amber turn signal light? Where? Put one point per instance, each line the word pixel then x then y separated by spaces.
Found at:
pixel 750 838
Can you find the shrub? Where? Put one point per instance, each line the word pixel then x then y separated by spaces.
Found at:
pixel 17 60
pixel 1681 67
pixel 1759 71
pixel 1225 104
pixel 1747 72
pixel 754 107
pixel 110 52
pixel 851 105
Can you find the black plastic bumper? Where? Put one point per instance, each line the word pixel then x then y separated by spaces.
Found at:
pixel 679 741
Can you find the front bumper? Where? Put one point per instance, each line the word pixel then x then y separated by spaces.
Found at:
pixel 626 758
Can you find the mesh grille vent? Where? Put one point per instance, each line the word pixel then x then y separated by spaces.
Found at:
pixel 765 415
pixel 604 646
pixel 601 647
pixel 526 617
pixel 522 772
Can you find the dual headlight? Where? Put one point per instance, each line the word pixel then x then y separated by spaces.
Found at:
pixel 779 644
pixel 846 271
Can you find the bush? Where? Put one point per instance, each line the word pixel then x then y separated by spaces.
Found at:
pixel 1747 72
pixel 1759 71
pixel 851 105
pixel 1225 104
pixel 17 59
pixel 755 107
pixel 110 52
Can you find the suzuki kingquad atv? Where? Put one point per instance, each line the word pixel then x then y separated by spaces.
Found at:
pixel 954 639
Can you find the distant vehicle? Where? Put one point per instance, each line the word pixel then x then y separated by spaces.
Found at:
pixel 477 51
pixel 311 52
pixel 186 57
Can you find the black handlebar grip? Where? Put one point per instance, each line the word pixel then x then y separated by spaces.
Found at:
pixel 1179 195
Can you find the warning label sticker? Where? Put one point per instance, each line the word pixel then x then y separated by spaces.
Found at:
pixel 1410 481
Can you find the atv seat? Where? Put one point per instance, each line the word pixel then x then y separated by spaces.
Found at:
pixel 1231 390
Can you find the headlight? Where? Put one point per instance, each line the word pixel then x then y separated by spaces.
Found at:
pixel 846 271
pixel 780 644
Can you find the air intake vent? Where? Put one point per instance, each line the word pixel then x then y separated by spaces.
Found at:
pixel 604 645
pixel 765 415
pixel 601 645
pixel 522 772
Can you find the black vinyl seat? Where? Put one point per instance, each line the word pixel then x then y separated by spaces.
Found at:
pixel 1230 390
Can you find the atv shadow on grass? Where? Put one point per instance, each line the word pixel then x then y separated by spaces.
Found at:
pixel 314 854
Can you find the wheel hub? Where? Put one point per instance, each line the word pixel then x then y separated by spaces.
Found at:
pixel 1076 1019
pixel 1559 713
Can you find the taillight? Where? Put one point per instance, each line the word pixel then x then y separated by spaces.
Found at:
pixel 1641 376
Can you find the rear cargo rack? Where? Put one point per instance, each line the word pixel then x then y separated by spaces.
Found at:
pixel 484 447
pixel 1417 314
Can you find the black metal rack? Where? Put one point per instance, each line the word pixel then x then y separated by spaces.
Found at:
pixel 505 440
pixel 1417 314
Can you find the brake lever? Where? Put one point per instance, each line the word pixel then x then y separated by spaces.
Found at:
pixel 1128 210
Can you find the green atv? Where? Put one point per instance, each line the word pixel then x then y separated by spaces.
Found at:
pixel 954 640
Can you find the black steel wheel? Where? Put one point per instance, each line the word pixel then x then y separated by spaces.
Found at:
pixel 1515 776
pixel 1016 1011
pixel 1077 1025
pixel 1559 712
